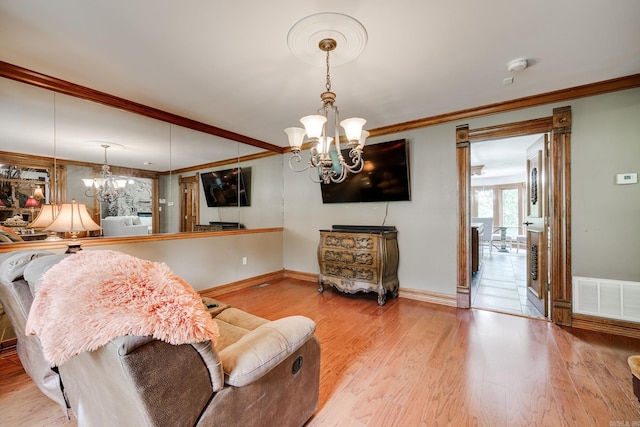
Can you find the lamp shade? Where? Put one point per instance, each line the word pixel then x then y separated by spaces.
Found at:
pixel 324 143
pixel 363 137
pixel 38 193
pixel 73 218
pixel 31 202
pixel 353 128
pixel 46 216
pixel 1 202
pixel 313 125
pixel 296 136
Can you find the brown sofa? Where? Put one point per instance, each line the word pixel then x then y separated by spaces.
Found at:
pixel 260 373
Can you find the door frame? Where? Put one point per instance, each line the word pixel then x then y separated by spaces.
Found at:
pixel 559 127
pixel 183 183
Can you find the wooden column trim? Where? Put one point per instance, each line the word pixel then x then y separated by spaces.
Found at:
pixel 463 155
pixel 560 216
pixel 559 125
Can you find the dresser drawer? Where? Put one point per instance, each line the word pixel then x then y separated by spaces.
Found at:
pixel 352 273
pixel 350 242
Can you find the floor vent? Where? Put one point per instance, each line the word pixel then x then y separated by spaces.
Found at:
pixel 615 299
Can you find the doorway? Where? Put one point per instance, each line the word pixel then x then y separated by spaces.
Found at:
pixel 558 219
pixel 189 202
pixel 507 196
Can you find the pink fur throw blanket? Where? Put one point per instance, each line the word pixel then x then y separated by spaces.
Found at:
pixel 94 296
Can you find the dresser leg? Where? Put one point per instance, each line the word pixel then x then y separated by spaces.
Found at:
pixel 320 286
pixel 382 298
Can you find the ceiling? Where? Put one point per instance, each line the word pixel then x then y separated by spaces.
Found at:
pixel 228 64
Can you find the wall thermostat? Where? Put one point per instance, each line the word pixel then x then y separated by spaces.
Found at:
pixel 627 178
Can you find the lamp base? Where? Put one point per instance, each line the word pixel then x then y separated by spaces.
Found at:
pixel 53 236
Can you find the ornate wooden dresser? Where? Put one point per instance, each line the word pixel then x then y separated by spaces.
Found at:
pixel 359 259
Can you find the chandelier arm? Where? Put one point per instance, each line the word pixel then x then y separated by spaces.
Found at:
pixel 298 160
pixel 357 161
pixel 355 167
pixel 338 178
pixel 319 174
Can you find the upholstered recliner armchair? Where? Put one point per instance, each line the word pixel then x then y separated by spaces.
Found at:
pixel 258 373
pixel 16 299
pixel 268 377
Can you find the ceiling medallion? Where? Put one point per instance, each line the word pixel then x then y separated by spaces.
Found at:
pixel 305 37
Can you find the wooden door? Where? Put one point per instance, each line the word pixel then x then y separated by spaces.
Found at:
pixel 189 202
pixel 536 227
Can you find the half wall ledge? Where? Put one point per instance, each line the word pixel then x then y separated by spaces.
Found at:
pixel 102 241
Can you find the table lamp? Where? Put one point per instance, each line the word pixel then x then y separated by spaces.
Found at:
pixel 46 216
pixel 73 218
pixel 31 203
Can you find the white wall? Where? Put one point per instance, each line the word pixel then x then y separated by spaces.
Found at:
pixel 206 262
pixel 606 217
pixel 605 138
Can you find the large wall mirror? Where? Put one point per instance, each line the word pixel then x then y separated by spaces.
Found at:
pixel 174 178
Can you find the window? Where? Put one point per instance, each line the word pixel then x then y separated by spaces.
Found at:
pixel 484 200
pixel 510 208
pixel 503 203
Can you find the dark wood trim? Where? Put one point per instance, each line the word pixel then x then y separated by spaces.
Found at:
pixel 610 326
pixel 463 162
pixel 300 275
pixel 224 162
pixel 102 241
pixel 44 81
pixel 559 124
pixel 9 344
pixel 622 83
pixel 242 284
pixel 28 160
pixel 560 216
pixel 527 127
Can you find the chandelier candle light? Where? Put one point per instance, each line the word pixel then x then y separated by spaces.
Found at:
pixel 106 188
pixel 330 164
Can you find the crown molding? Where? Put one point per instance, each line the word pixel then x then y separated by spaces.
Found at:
pixel 44 81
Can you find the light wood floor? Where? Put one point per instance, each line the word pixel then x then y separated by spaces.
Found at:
pixel 412 363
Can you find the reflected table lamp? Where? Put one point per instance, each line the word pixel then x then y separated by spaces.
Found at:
pixel 31 203
pixel 73 218
pixel 46 216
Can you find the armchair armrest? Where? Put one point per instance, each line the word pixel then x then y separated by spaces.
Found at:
pixel 263 348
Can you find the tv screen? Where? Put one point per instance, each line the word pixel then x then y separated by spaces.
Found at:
pixel 384 177
pixel 229 187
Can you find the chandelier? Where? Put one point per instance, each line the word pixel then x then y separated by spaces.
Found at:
pixel 330 165
pixel 106 188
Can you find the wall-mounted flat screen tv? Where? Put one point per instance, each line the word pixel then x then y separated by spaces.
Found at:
pixel 229 187
pixel 384 178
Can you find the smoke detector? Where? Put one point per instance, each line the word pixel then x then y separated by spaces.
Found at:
pixel 517 65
